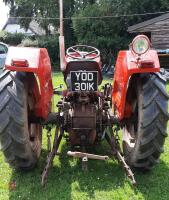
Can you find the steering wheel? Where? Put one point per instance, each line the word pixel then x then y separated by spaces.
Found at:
pixel 82 52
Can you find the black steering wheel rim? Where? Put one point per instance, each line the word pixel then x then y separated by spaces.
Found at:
pixel 82 55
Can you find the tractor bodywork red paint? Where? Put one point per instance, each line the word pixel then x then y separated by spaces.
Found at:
pixel 38 62
pixel 126 66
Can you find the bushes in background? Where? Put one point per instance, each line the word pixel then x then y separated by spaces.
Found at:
pixel 51 43
pixel 28 42
pixel 11 38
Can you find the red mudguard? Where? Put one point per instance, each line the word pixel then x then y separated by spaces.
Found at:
pixel 126 66
pixel 37 61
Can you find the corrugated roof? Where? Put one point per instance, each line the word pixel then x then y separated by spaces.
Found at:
pixel 148 22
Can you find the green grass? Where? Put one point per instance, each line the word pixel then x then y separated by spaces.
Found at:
pixel 103 181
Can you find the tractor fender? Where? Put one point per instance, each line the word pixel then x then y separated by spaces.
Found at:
pixel 36 61
pixel 128 65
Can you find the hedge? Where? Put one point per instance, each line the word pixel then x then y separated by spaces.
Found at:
pixel 11 38
pixel 51 43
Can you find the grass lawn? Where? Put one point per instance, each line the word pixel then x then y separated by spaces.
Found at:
pixel 103 181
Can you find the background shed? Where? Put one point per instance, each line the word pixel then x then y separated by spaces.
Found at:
pixel 157 29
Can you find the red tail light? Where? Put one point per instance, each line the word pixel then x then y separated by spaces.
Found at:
pixel 19 63
pixel 146 63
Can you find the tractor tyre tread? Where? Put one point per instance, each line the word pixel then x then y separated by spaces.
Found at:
pixel 14 140
pixel 153 123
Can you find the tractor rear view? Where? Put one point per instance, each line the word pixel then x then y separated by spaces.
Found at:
pixel 136 103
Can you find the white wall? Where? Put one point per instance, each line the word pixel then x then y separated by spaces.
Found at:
pixel 4 10
pixel 15 28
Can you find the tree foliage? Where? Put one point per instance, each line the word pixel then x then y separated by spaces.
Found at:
pixel 11 38
pixel 35 9
pixel 108 34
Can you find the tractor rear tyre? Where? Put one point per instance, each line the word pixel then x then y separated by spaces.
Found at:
pixel 145 133
pixel 20 140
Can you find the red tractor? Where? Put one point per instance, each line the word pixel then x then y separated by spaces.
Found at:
pixel 135 103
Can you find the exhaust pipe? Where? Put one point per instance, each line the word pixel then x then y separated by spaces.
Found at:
pixel 62 39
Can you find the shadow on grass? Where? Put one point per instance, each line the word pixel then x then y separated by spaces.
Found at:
pixel 154 185
pixel 67 181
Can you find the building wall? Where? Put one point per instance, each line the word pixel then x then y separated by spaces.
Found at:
pixel 15 28
pixel 159 33
pixel 160 39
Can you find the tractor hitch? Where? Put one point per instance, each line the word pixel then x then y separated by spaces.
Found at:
pixel 51 154
pixel 127 169
pixel 53 118
pixel 77 154
pixel 117 153
pixel 85 157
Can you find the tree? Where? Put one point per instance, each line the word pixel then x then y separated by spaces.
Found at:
pixel 35 9
pixel 110 34
pixel 104 33
pixel 11 4
pixel 41 10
